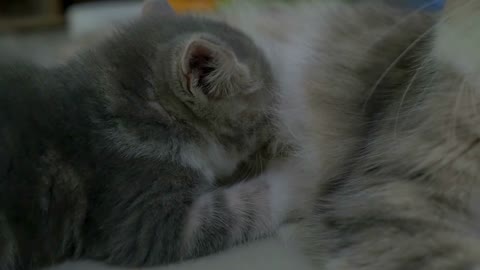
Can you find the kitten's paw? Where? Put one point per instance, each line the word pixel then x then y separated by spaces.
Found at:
pixel 289 196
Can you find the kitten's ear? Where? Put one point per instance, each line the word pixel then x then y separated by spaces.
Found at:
pixel 212 69
pixel 160 8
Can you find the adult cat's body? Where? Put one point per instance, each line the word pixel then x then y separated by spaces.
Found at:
pixel 114 156
pixel 387 104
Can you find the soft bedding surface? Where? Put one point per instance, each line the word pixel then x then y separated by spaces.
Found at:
pixel 270 254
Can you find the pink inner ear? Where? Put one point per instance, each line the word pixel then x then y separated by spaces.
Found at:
pixel 199 63
pixel 199 56
pixel 157 8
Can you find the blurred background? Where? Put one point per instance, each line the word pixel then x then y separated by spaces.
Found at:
pixel 49 31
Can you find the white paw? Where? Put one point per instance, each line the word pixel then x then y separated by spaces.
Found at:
pixel 288 195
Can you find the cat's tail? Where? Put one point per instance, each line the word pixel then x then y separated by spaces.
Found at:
pixel 8 248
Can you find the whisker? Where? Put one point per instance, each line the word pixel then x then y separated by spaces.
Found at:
pixel 395 62
pixel 433 77
pixel 395 26
pixel 260 169
pixel 410 47
pixel 458 100
pixel 473 98
pixel 402 100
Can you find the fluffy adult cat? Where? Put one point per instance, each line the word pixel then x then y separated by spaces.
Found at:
pixel 114 156
pixel 383 104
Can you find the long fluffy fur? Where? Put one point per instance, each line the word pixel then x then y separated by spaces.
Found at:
pixel 383 106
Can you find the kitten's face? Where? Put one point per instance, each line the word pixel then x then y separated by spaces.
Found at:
pixel 186 78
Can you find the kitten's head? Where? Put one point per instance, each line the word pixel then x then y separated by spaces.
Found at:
pixel 172 81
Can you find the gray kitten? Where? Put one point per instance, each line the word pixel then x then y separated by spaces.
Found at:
pixel 114 156
pixel 383 105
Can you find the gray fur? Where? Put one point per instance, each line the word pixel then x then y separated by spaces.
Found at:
pixel 382 104
pixel 406 203
pixel 115 155
pixel 402 198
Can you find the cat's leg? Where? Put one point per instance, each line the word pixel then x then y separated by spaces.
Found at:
pixel 242 212
pixel 392 225
pixel 157 228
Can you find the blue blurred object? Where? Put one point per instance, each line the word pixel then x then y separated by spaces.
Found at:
pixel 430 5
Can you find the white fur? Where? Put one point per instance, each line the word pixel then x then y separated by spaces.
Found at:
pixel 283 196
pixel 197 215
pixel 457 45
pixel 458 37
pixel 212 159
